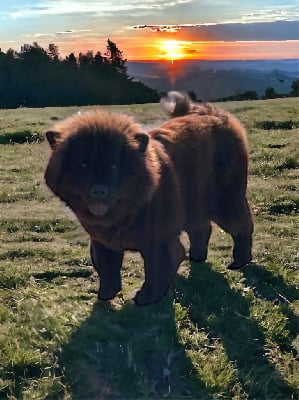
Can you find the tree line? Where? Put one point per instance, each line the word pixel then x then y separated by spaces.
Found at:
pixel 38 77
pixel 270 93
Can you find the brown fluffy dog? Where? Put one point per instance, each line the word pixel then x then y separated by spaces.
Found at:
pixel 139 191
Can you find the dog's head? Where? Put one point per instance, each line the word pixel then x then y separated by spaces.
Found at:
pixel 97 159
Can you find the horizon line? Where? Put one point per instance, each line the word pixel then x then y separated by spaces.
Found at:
pixel 212 60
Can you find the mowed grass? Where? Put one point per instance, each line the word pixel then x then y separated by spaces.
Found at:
pixel 216 335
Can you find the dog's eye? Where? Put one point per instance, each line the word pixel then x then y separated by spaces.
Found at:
pixel 113 167
pixel 84 165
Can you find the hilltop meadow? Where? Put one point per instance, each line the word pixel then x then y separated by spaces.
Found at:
pixel 218 334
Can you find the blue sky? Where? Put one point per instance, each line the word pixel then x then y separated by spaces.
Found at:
pixel 76 25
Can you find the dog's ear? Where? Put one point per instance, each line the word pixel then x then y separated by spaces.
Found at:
pixel 52 137
pixel 54 168
pixel 53 172
pixel 142 139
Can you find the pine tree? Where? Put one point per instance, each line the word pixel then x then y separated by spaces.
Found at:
pixel 53 52
pixel 115 57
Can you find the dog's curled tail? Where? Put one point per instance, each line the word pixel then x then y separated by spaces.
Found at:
pixel 178 104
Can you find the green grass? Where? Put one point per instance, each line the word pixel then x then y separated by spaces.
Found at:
pixel 216 335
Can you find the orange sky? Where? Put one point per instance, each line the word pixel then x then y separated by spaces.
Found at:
pixel 208 30
pixel 157 48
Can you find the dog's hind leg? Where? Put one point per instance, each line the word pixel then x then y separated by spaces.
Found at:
pixel 234 216
pixel 199 239
pixel 161 262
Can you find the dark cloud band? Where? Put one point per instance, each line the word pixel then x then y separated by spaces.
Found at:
pixel 263 31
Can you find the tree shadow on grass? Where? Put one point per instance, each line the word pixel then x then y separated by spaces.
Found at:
pixel 225 314
pixel 129 353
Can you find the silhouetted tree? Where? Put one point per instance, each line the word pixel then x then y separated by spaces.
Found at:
pixel 115 57
pixel 98 59
pixel 53 52
pixel 86 59
pixel 241 96
pixel 35 77
pixel 34 55
pixel 270 93
pixel 295 89
pixel 71 60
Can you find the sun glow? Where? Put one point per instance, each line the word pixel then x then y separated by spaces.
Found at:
pixel 171 50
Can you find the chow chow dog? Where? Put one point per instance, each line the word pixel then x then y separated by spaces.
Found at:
pixel 137 190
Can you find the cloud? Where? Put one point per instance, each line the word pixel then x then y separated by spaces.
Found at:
pixel 278 13
pixel 72 33
pixel 260 31
pixel 93 7
pixel 38 36
pixel 164 28
pixel 233 31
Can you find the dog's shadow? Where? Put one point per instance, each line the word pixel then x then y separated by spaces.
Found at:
pixel 129 352
pixel 227 315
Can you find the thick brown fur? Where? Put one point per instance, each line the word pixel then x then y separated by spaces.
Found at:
pixel 139 191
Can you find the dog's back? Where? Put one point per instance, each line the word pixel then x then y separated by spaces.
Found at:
pixel 204 138
pixel 178 104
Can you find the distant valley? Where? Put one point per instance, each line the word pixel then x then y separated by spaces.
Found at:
pixel 211 80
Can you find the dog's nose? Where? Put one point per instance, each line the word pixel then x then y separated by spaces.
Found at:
pixel 99 191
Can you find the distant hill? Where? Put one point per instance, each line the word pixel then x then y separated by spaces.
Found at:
pixel 211 80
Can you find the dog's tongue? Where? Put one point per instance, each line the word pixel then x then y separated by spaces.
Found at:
pixel 98 210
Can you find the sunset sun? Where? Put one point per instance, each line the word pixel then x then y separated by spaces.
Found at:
pixel 171 50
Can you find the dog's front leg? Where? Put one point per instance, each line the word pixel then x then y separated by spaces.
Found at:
pixel 107 263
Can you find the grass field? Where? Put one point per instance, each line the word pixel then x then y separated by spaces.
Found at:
pixel 216 335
